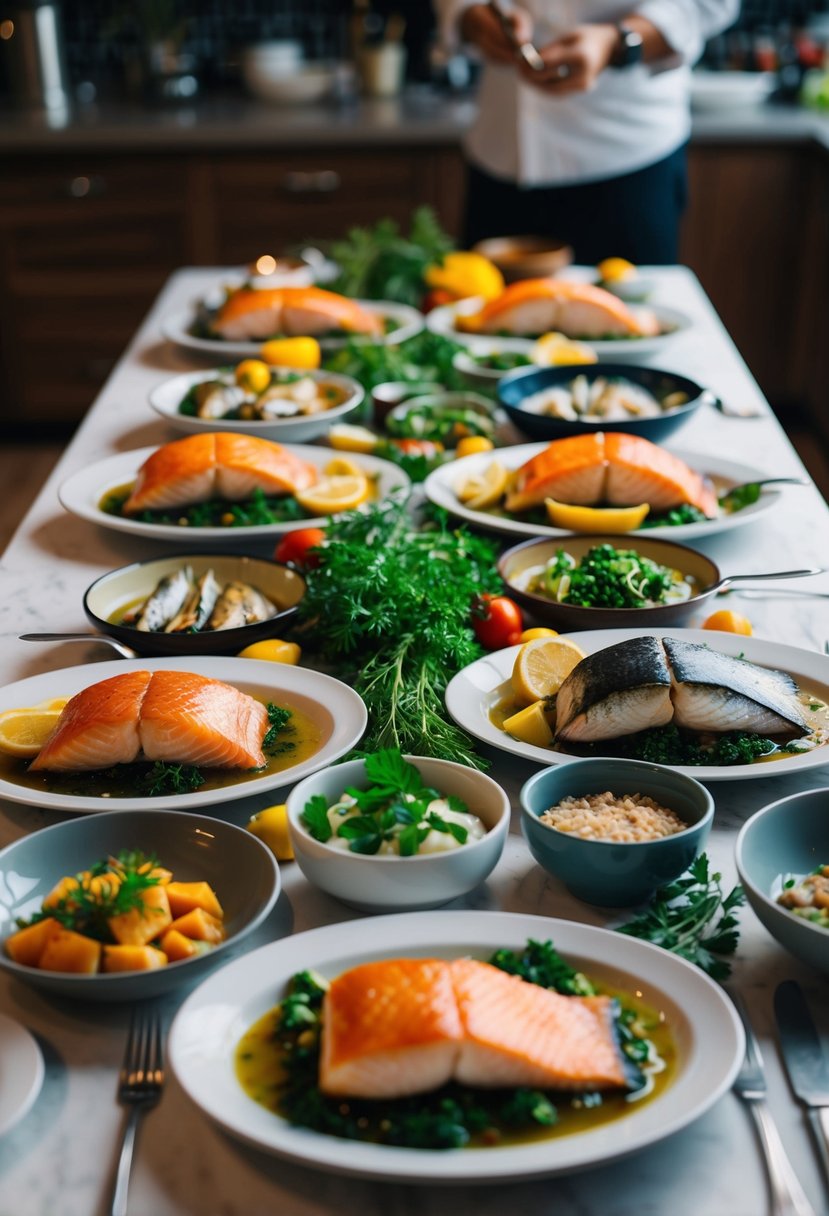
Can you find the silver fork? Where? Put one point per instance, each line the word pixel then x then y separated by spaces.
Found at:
pixel 787 1195
pixel 139 1089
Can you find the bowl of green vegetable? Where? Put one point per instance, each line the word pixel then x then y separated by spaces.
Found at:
pixel 484 365
pixel 614 830
pixel 603 582
pixel 445 417
pixel 394 833
pixel 781 853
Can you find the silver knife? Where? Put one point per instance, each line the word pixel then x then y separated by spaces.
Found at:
pixel 805 1062
pixel 527 51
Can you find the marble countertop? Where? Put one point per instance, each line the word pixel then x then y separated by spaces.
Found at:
pixel 58 1159
pixel 420 117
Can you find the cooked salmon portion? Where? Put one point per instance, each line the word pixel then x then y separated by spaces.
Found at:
pixel 98 726
pixel 613 468
pixel 163 715
pixel 406 1026
pixel 251 314
pixel 389 1029
pixel 579 310
pixel 216 465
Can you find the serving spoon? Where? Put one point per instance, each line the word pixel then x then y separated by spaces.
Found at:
pixel 125 651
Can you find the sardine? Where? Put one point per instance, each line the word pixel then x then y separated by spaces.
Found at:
pixel 164 603
pixel 713 691
pixel 198 606
pixel 217 400
pixel 240 604
pixel 645 682
pixel 617 691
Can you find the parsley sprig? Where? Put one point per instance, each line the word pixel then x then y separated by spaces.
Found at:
pixel 111 887
pixel 394 806
pixel 694 919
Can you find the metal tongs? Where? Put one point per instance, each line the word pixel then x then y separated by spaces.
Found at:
pixel 525 50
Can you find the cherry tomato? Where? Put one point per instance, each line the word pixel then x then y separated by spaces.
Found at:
pixel 497 621
pixel 418 447
pixel 294 548
pixel 435 298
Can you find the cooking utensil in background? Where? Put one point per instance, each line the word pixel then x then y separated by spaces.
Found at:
pixel 34 52
pixel 787 1195
pixel 526 50
pixel 139 1089
pixel 805 1062
pixel 125 651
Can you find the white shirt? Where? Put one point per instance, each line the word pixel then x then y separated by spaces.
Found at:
pixel 633 117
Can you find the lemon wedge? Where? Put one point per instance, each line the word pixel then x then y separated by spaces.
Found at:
pixel 530 725
pixel 485 489
pixel 613 270
pixel 595 519
pixel 345 437
pixel 271 826
pixel 24 731
pixel 332 494
pixel 557 350
pixel 272 650
pixel 541 667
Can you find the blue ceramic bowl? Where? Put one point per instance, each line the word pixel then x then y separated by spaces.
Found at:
pixel 788 837
pixel 515 387
pixel 602 872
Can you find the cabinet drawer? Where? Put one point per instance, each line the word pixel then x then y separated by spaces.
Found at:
pixel 70 183
pixel 99 237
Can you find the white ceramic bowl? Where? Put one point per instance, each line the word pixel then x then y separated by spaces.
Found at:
pixel 397 884
pixel 300 85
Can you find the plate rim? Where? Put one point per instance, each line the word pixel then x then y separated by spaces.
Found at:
pixel 174 329
pixel 74 497
pixel 347 728
pixel 501 662
pixel 25 1042
pixel 469 929
pixel 438 490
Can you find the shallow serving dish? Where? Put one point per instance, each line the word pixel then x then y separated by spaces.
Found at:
pixel 332 706
pixel 786 838
pixel 515 387
pixel 241 870
pixel 515 565
pixel 112 594
pixel 432 408
pixel 395 884
pixel 166 398
pixel 609 873
pixel 81 494
pixel 474 692
pixel 209 1025
pixel 525 257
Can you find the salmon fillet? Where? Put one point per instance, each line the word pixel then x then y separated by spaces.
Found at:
pixel 162 715
pixel 250 313
pixel 613 468
pixel 406 1026
pixel 578 310
pixel 98 727
pixel 219 464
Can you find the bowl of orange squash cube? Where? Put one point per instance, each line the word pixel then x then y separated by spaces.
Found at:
pixel 126 905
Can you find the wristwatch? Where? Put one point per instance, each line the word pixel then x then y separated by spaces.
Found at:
pixel 628 48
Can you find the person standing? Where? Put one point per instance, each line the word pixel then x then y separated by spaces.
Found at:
pixel 590 146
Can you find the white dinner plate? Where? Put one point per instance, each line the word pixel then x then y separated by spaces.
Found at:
pixel 442 320
pixel 81 494
pixel 408 321
pixel 166 398
pixel 334 707
pixel 474 691
pixel 213 1019
pixel 21 1072
pixel 440 489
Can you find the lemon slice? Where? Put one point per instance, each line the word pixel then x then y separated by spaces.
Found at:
pixel 613 270
pixel 530 725
pixel 557 350
pixel 341 466
pixel 595 519
pixel 272 650
pixel 332 494
pixel 484 489
pixel 542 666
pixel 271 826
pixel 345 437
pixel 57 703
pixel 24 731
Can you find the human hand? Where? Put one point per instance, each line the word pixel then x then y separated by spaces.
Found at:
pixel 574 62
pixel 481 27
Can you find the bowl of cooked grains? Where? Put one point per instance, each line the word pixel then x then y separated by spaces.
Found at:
pixel 614 830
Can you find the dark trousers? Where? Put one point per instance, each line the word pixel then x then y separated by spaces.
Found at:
pixel 635 216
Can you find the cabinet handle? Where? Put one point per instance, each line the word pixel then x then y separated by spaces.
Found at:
pixel 83 187
pixel 319 181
